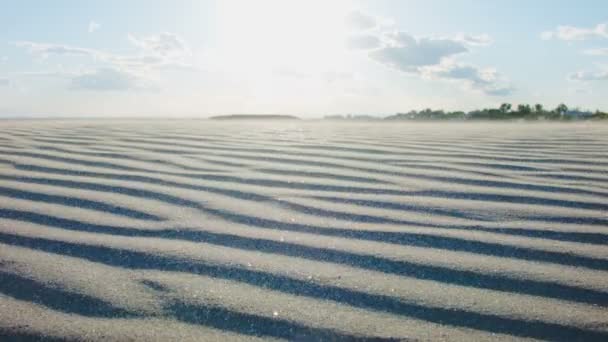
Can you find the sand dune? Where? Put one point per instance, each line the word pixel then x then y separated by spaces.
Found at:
pixel 297 230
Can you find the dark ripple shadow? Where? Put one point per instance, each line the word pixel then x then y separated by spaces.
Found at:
pixel 488 197
pixel 443 168
pixel 76 202
pixel 509 167
pixel 375 263
pixel 365 218
pixel 581 237
pixel 531 160
pixel 454 317
pixel 260 326
pixel 452 180
pixel 594 238
pixel 156 286
pixel 112 155
pixel 63 141
pixel 602 181
pixel 272 183
pixel 56 298
pixel 76 161
pixel 421 240
pixel 518 199
pixel 129 157
pixel 512 185
pixel 219 178
pixel 374 151
pixel 321 175
pixel 146 194
pixel 216 161
pixel 15 335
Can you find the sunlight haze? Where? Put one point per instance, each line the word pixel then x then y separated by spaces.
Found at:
pixel 308 58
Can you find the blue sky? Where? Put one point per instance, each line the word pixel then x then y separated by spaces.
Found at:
pixel 199 58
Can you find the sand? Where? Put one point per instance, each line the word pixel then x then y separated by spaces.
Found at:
pixel 303 230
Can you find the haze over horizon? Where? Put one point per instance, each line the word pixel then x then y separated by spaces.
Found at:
pixel 203 58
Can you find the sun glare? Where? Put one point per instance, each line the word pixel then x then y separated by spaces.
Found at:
pixel 291 35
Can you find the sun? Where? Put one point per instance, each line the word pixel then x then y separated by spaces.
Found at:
pixel 297 35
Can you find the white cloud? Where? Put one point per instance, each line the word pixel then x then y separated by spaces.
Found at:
pixel 426 57
pixel 108 79
pixel 4 82
pixel 546 35
pixel 163 50
pixel 571 33
pixel 360 21
pixel 408 54
pixel 433 58
pixel 93 26
pixel 49 74
pixel 101 79
pixel 45 49
pixel 589 76
pixel 117 72
pixel 164 44
pixel 487 81
pixel 483 39
pixel 597 52
pixel 136 61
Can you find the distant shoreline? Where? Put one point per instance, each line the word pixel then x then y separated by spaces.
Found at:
pixel 254 117
pixel 305 120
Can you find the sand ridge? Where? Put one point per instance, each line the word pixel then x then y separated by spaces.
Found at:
pixel 303 230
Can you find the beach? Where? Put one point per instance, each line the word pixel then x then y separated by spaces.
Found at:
pixel 184 229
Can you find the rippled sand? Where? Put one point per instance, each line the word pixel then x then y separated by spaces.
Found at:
pixel 201 230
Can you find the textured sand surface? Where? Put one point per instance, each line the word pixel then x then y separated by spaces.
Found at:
pixel 201 230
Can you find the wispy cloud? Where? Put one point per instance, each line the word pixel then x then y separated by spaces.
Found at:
pixel 601 75
pixel 597 52
pixel 483 39
pixel 407 53
pixel 434 58
pixel 572 33
pixel 118 72
pixel 164 44
pixel 46 49
pixel 109 79
pixel 160 50
pixel 485 80
pixel 427 57
pixel 97 79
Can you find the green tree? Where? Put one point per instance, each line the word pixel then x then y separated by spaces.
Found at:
pixel 524 109
pixel 538 108
pixel 505 107
pixel 561 109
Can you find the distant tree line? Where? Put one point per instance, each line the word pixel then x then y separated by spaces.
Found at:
pixel 505 112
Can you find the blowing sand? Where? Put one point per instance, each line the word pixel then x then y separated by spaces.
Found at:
pixel 205 230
